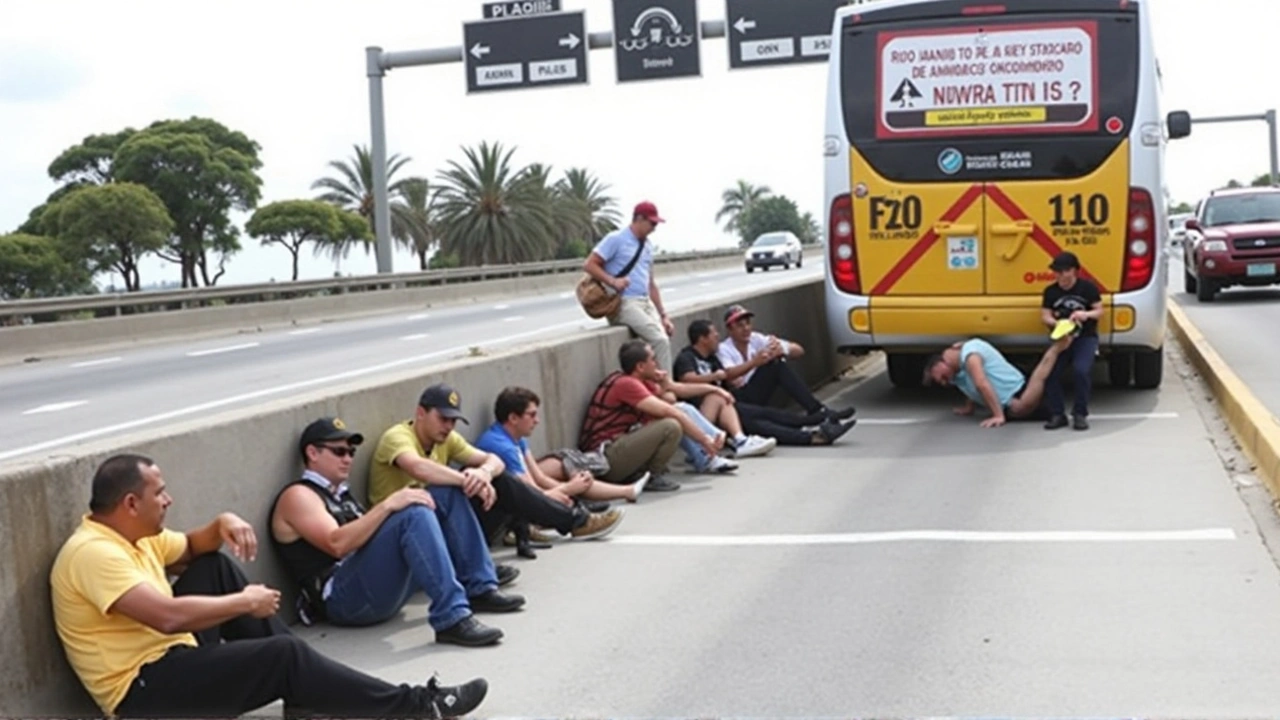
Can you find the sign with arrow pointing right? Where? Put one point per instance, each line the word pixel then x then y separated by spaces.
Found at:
pixel 779 32
pixel 525 51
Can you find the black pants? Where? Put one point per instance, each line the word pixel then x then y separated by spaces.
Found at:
pixel 519 502
pixel 766 380
pixel 784 426
pixel 246 663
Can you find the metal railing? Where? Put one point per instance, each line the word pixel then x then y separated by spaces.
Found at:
pixel 18 312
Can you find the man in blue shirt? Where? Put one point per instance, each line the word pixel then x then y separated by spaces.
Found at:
pixel 641 308
pixel 985 376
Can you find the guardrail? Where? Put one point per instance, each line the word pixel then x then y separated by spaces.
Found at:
pixel 21 312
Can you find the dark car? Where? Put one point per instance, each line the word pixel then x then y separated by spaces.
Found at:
pixel 1233 239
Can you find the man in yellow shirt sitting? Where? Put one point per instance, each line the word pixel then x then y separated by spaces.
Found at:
pixel 211 644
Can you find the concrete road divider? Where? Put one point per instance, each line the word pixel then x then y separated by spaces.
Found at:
pixel 237 460
pixel 1255 427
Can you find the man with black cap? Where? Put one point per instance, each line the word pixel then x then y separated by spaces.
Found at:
pixel 358 567
pixel 1078 301
pixel 623 260
pixel 420 451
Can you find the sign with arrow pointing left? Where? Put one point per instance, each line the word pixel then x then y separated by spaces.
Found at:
pixel 525 51
pixel 779 32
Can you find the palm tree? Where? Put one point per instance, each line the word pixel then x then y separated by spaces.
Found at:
pixel 491 213
pixel 586 191
pixel 414 219
pixel 353 189
pixel 737 200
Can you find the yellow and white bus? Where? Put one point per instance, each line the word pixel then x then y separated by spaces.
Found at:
pixel 970 141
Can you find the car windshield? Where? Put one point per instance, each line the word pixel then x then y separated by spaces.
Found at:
pixel 764 240
pixel 1242 209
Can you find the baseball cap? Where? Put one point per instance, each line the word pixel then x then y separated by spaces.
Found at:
pixel 1065 261
pixel 649 211
pixel 736 313
pixel 443 398
pixel 325 429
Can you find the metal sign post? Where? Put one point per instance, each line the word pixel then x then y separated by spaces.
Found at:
pixel 1269 117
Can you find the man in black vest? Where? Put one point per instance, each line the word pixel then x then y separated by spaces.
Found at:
pixel 1077 300
pixel 360 568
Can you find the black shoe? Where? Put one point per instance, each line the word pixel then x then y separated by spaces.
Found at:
pixel 469 632
pixel 831 430
pixel 1055 422
pixel 1078 422
pixel 841 414
pixel 496 601
pixel 506 574
pixel 661 483
pixel 451 701
pixel 597 506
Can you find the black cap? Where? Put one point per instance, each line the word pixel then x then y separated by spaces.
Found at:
pixel 444 399
pixel 326 429
pixel 1065 261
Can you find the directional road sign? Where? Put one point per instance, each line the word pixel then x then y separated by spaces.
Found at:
pixel 655 39
pixel 524 52
pixel 519 8
pixel 779 32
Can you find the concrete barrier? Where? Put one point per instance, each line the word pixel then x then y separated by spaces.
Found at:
pixel 237 461
pixel 25 342
pixel 1254 426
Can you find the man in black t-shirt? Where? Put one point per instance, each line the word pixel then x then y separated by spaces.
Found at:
pixel 1073 298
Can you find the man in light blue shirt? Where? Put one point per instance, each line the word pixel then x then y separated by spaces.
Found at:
pixel 985 376
pixel 641 308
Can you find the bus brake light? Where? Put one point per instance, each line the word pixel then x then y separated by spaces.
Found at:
pixel 1140 241
pixel 840 241
pixel 983 10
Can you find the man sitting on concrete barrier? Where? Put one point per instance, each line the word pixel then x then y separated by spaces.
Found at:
pixel 699 363
pixel 985 376
pixel 358 567
pixel 210 645
pixel 757 365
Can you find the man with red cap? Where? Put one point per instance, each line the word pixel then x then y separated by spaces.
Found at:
pixel 623 260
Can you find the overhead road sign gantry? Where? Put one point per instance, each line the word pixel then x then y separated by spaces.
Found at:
pixel 525 51
pixel 779 32
pixel 656 39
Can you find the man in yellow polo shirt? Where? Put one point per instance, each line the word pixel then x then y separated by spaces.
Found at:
pixel 209 645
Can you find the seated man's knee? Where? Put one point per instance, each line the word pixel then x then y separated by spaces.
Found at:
pixel 411 516
pixel 670 427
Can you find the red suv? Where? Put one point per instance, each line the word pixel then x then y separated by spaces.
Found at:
pixel 1233 239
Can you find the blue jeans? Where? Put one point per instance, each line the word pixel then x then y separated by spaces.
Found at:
pixel 693 452
pixel 1079 355
pixel 442 553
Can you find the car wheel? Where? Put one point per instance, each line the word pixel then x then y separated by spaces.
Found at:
pixel 1205 290
pixel 1188 281
pixel 750 269
pixel 800 259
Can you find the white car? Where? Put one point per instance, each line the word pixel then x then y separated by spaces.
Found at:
pixel 1178 228
pixel 774 248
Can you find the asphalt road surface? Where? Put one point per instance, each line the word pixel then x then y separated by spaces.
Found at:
pixel 48 405
pixel 922 567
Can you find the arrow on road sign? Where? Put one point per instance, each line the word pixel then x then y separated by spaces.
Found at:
pixel 743 25
pixel 478 51
pixel 571 41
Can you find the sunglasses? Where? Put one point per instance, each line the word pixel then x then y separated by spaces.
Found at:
pixel 340 450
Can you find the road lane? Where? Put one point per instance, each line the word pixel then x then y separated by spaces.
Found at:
pixel 93 396
pixel 1153 594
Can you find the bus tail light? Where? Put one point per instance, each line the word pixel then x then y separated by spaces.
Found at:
pixel 844 255
pixel 1140 241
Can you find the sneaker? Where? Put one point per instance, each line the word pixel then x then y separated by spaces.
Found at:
pixel 451 701
pixel 469 632
pixel 598 525
pixel 638 486
pixel 720 465
pixel 1055 422
pixel 755 445
pixel 1079 422
pixel 661 483
pixel 831 430
pixel 840 414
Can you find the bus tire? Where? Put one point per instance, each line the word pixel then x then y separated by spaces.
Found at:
pixel 1148 368
pixel 905 371
pixel 1120 368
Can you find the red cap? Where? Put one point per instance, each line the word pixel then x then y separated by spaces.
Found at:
pixel 736 313
pixel 649 211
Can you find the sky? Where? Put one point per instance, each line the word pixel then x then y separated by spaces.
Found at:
pixel 291 75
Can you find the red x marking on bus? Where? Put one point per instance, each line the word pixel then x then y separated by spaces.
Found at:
pixel 922 245
pixel 1041 238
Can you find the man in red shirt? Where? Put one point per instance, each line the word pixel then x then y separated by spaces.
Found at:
pixel 636 429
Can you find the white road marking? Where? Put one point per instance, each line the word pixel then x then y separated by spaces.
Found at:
pixel 668 291
pixel 1134 416
pixel 227 349
pixel 704 284
pixel 417 336
pixel 888 421
pixel 55 407
pixel 304 331
pixel 419 316
pixel 501 307
pixel 513 318
pixel 565 295
pixel 92 363
pixel 268 392
pixel 929 536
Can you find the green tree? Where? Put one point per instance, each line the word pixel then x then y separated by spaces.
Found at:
pixel 291 223
pixel 588 197
pixel 201 170
pixel 112 226
pixel 415 223
pixel 738 200
pixel 1182 207
pixel 812 229
pixel 32 266
pixel 1263 180
pixel 90 162
pixel 491 213
pixel 352 189
pixel 771 214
